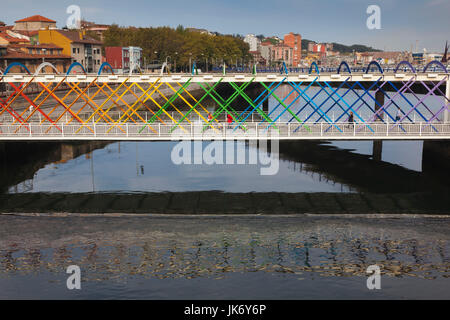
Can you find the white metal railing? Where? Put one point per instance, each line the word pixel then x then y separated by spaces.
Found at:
pixel 223 130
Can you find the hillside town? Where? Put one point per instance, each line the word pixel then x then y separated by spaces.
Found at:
pixel 36 39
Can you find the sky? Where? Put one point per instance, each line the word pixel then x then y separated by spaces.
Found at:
pixel 404 23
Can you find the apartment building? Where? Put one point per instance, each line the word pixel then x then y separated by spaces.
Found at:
pixel 83 49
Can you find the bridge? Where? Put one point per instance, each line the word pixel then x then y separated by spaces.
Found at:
pixel 372 105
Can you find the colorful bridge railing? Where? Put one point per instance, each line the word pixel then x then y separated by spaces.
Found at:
pixel 224 106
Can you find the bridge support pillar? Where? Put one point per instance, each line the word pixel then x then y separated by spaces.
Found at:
pixel 2 152
pixel 377 150
pixel 447 95
pixel 379 97
pixel 266 104
pixel 436 158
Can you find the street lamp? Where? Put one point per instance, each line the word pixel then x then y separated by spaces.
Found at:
pixel 175 62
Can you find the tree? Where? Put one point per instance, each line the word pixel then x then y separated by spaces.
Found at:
pixel 179 44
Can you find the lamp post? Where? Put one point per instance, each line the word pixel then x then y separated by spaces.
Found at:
pixel 156 58
pixel 175 61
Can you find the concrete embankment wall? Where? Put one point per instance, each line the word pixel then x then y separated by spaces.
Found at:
pixel 215 202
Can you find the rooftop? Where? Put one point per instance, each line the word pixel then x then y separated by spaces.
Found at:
pixel 27 33
pixel 11 39
pixel 89 24
pixel 36 18
pixel 74 36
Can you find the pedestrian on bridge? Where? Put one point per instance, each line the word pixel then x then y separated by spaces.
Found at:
pixel 351 119
pixel 397 117
pixel 229 120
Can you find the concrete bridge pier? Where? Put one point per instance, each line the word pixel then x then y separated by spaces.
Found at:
pixel 447 94
pixel 379 97
pixel 436 158
pixel 2 152
pixel 377 148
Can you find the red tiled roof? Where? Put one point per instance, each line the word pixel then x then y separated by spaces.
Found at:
pixel 36 18
pixel 4 28
pixel 10 39
pixel 27 33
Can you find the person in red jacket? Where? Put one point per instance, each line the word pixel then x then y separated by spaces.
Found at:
pixel 229 120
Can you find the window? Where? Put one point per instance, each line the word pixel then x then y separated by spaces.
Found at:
pixel 74 50
pixel 30 51
pixel 78 50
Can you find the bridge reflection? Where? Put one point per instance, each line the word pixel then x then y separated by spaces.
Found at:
pixel 368 186
pixel 359 171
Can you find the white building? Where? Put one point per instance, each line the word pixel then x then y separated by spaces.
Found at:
pixel 135 56
pixel 252 41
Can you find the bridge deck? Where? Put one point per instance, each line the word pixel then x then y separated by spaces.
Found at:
pixel 230 77
pixel 226 131
pixel 161 107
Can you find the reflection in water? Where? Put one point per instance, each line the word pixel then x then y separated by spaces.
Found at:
pixel 111 250
pixel 305 166
pixel 147 166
